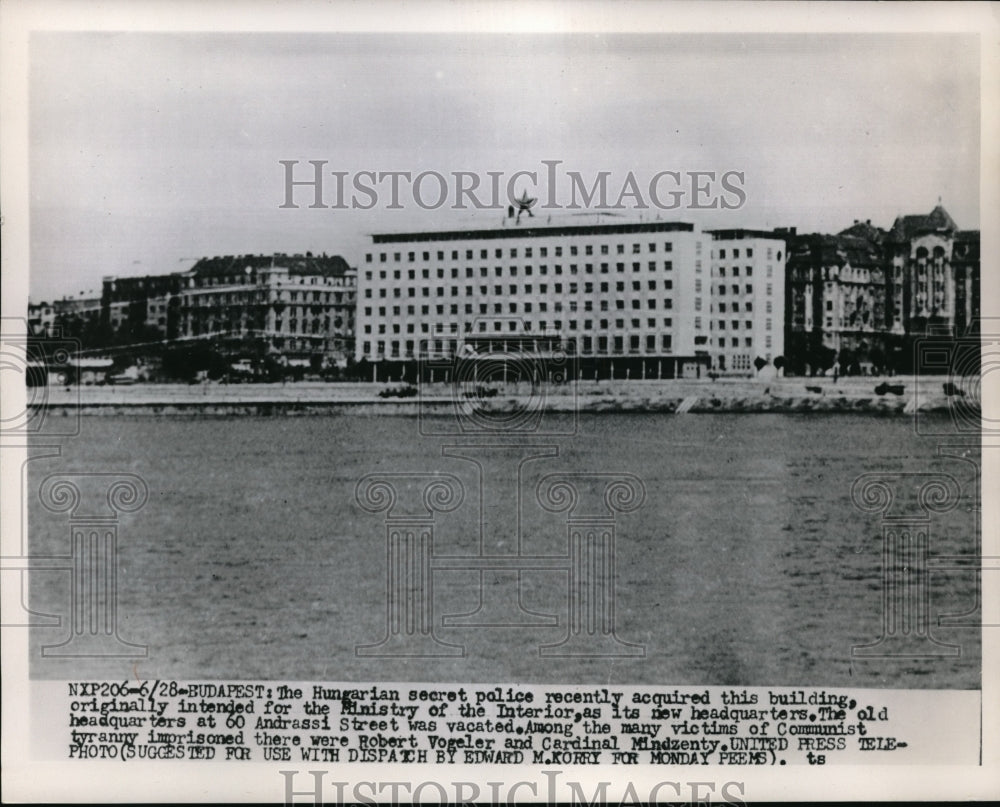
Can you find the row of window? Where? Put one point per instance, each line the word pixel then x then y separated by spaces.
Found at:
pixel 749 253
pixel 520 308
pixel 513 325
pixel 311 280
pixel 735 271
pixel 734 307
pixel 543 252
pixel 589 345
pixel 260 298
pixel 747 289
pixel 588 287
pixel 294 325
pixel 529 289
pixel 735 324
pixel 512 271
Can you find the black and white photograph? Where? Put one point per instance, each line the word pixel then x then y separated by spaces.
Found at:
pixel 601 404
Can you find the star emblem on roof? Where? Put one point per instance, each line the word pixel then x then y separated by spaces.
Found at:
pixel 525 202
pixel 524 205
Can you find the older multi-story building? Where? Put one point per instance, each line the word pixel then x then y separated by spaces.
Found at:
pixel 836 301
pixel 41 318
pixel 747 300
pixel 862 297
pixel 627 299
pixel 924 281
pixel 77 317
pixel 300 305
pixel 965 265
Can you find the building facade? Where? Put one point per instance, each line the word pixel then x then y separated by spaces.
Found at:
pixel 836 302
pixel 77 317
pixel 860 299
pixel 934 279
pixel 625 299
pixel 300 306
pixel 747 301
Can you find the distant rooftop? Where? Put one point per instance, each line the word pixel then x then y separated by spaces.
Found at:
pixel 937 221
pixel 865 229
pixel 308 264
pixel 835 250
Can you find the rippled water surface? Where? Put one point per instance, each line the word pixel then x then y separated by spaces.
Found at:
pixel 748 563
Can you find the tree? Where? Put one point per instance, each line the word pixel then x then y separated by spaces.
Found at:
pixel 822 358
pixel 184 363
pixel 877 357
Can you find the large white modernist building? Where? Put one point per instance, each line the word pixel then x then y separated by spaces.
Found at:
pixel 624 298
pixel 748 299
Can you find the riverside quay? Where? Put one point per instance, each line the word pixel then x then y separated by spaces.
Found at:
pixel 623 299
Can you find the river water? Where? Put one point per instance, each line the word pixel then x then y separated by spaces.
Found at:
pixel 748 564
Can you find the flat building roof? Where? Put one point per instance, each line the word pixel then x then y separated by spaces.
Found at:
pixel 542 231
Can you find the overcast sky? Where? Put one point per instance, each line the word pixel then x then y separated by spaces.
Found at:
pixel 151 150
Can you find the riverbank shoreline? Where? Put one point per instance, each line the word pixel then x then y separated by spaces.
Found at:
pixel 785 395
